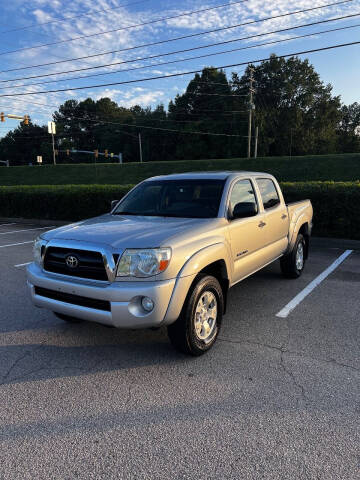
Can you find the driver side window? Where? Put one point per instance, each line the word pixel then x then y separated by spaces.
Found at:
pixel 242 192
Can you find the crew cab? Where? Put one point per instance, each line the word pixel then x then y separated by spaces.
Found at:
pixel 168 252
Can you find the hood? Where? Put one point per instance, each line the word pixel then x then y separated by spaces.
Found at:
pixel 121 232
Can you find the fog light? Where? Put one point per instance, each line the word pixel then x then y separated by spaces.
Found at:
pixel 147 304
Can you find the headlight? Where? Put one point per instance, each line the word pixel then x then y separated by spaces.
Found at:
pixel 38 247
pixel 143 262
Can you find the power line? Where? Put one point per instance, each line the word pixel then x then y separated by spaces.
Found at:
pixel 133 26
pixel 168 53
pixel 184 36
pixel 65 19
pixel 172 75
pixel 190 132
pixel 176 61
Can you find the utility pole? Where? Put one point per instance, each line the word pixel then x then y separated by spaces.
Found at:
pixel 256 141
pixel 251 107
pixel 52 131
pixel 140 148
pixel 53 145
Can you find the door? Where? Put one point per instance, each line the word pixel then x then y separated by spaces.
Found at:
pixel 247 236
pixel 276 219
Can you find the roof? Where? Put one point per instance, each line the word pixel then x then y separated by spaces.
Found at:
pixel 223 175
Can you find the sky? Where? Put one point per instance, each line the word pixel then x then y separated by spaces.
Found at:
pixel 24 26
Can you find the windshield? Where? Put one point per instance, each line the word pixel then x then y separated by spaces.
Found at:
pixel 174 198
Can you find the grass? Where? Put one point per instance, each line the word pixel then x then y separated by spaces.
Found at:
pixel 345 167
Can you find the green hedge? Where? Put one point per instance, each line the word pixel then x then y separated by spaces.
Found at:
pixel 344 167
pixel 336 204
pixel 65 202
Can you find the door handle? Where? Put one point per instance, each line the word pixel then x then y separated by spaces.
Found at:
pixel 261 224
pixel 283 216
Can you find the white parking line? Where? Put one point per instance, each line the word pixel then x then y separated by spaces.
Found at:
pixel 307 290
pixel 27 230
pixel 22 264
pixel 6 224
pixel 14 244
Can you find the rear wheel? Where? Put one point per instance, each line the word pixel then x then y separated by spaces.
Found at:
pixel 66 318
pixel 292 265
pixel 198 326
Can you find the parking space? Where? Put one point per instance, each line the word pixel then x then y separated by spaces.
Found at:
pixel 275 398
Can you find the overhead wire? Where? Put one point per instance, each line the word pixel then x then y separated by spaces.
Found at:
pixel 179 74
pixel 175 61
pixel 333 19
pixel 65 19
pixel 250 22
pixel 128 27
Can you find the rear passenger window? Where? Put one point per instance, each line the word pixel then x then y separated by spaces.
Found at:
pixel 242 192
pixel 269 194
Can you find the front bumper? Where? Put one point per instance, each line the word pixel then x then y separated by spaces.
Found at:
pixel 124 298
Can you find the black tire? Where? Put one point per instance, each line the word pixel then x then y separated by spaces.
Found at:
pixel 68 319
pixel 183 333
pixel 288 264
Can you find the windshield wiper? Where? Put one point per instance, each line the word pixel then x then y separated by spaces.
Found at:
pixel 163 215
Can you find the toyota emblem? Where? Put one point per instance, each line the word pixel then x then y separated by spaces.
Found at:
pixel 71 261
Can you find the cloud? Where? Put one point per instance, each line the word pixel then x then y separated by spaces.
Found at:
pixel 45 11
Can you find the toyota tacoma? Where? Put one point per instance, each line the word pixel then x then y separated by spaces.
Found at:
pixel 168 252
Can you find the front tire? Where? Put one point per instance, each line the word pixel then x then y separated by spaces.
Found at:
pixel 292 265
pixel 198 325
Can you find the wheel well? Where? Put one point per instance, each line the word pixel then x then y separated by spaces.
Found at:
pixel 219 271
pixel 304 230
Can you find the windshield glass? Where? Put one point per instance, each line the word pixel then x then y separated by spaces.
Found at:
pixel 174 198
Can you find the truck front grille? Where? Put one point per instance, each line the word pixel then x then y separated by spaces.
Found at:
pixel 82 264
pixel 74 299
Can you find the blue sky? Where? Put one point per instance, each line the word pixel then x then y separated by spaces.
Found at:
pixel 339 67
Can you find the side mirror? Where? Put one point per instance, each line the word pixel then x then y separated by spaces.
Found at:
pixel 113 204
pixel 244 210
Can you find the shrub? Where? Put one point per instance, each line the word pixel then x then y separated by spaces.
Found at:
pixel 65 202
pixel 336 204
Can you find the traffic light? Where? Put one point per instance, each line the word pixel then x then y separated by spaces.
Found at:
pixel 96 153
pixel 26 119
pixel 68 152
pixel 2 116
pixel 106 153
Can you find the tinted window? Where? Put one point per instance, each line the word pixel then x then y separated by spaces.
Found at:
pixel 174 198
pixel 268 192
pixel 242 192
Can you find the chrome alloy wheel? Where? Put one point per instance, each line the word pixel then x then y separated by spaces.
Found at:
pixel 205 317
pixel 300 256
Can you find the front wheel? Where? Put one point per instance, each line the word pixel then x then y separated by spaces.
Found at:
pixel 292 265
pixel 198 326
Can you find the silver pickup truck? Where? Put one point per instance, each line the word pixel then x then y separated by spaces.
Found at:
pixel 168 253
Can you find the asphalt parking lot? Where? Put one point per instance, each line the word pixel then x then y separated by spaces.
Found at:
pixel 276 398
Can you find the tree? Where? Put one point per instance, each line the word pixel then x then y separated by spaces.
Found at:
pixel 294 109
pixel 349 128
pixel 22 145
pixel 203 107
